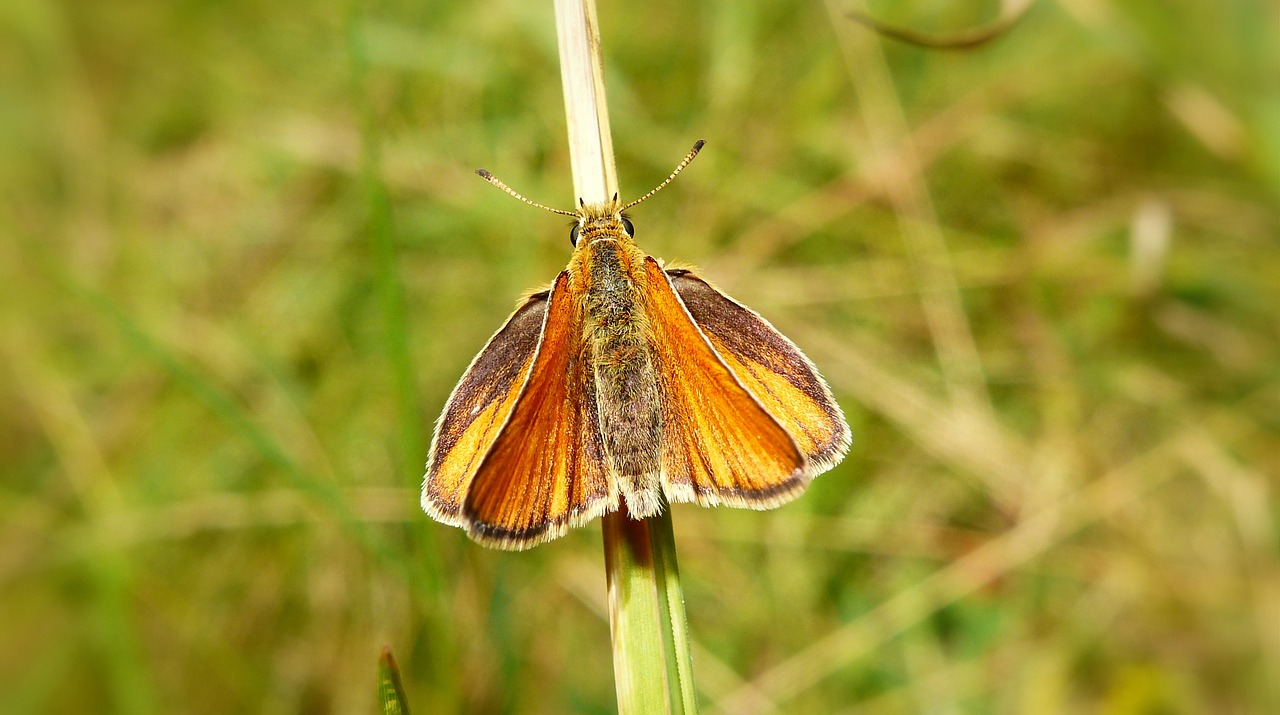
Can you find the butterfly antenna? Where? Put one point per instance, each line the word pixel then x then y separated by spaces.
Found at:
pixel 484 174
pixel 679 167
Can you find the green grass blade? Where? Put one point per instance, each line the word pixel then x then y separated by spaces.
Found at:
pixel 390 692
pixel 651 660
pixel 381 232
pixel 381 229
pixel 671 607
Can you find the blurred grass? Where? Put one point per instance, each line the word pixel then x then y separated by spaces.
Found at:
pixel 246 260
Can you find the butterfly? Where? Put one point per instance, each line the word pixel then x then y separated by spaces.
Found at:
pixel 626 383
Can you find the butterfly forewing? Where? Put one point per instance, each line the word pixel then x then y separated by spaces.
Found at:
pixel 546 469
pixel 719 444
pixel 478 408
pixel 771 367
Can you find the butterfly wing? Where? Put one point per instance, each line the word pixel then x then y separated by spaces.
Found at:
pixel 546 470
pixel 772 368
pixel 478 408
pixel 720 445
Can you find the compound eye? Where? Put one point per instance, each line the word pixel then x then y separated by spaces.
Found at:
pixel 626 226
pixel 573 234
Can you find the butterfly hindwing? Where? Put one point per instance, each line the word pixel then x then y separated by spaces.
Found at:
pixel 769 365
pixel 546 470
pixel 478 408
pixel 720 445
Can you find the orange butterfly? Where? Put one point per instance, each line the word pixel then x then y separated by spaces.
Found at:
pixel 625 379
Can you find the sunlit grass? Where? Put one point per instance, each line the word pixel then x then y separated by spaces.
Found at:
pixel 1061 492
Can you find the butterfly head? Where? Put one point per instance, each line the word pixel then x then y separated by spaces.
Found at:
pixel 601 221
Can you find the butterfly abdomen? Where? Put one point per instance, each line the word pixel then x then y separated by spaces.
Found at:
pixel 626 384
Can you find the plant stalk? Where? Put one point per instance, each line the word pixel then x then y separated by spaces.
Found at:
pixel 651 661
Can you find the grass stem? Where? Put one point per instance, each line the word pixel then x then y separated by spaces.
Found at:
pixel 651 659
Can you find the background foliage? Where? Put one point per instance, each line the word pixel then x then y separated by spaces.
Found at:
pixel 245 261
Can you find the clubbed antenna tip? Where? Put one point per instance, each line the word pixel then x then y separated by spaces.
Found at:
pixel 679 167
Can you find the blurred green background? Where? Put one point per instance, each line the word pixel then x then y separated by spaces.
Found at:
pixel 244 260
